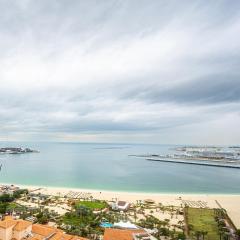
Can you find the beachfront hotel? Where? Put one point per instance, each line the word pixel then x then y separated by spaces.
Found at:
pixel 11 229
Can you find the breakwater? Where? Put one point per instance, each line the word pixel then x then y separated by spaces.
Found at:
pixel 193 163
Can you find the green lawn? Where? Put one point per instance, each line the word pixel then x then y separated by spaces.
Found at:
pixel 92 204
pixel 203 220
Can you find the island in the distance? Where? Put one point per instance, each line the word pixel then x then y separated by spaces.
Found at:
pixel 17 150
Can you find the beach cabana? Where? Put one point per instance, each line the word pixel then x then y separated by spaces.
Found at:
pixel 149 201
pixel 120 206
pixel 126 225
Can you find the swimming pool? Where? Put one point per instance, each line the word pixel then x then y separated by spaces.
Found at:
pixel 106 225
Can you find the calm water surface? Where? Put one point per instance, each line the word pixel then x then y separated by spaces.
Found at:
pixel 108 167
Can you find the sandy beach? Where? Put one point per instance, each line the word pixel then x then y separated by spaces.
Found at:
pixel 229 202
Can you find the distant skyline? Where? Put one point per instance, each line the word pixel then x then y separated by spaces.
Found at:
pixel 120 71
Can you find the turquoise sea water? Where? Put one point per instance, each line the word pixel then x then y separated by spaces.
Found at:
pixel 108 167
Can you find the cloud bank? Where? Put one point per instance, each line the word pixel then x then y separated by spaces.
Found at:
pixel 120 71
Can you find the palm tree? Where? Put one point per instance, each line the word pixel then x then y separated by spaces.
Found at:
pixel 180 223
pixel 82 211
pixel 204 233
pixel 135 216
pixel 221 233
pixel 197 234
pixel 226 236
pixel 238 233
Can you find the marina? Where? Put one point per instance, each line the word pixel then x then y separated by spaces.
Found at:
pixel 16 150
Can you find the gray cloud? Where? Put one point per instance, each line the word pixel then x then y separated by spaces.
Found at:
pixel 114 70
pixel 211 89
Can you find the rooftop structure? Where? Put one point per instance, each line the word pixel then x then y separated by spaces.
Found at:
pixel 11 229
pixel 121 206
pixel 126 225
pixel 120 234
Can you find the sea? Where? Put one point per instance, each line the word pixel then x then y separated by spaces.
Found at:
pixel 106 166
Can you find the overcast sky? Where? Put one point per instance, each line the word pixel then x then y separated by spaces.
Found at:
pixel 146 71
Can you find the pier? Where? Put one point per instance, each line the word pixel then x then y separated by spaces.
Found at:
pixel 193 163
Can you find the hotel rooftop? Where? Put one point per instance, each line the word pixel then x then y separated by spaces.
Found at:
pixel 11 229
pixel 128 234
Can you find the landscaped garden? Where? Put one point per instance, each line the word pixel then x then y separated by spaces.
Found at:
pixel 94 205
pixel 202 223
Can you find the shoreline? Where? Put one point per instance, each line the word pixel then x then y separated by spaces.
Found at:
pixel 121 191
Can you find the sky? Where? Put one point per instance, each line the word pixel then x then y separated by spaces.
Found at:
pixel 120 71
